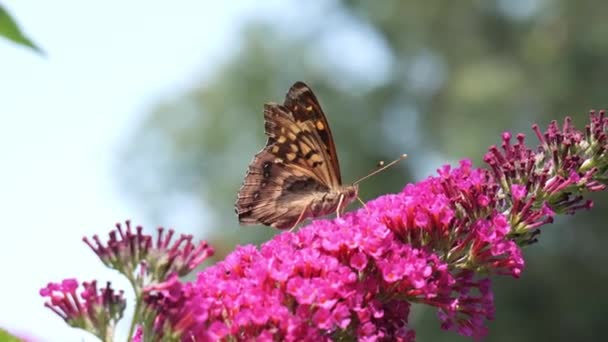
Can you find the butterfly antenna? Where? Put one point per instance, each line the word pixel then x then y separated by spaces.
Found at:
pixel 381 168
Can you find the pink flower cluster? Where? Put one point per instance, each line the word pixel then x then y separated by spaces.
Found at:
pixel 555 177
pixel 434 243
pixel 457 216
pixel 97 310
pixel 131 251
pixel 355 277
pixel 143 259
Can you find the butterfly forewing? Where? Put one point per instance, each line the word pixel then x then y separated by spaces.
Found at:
pixel 305 107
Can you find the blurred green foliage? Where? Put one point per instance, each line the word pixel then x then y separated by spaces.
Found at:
pixel 6 337
pixel 11 31
pixel 437 80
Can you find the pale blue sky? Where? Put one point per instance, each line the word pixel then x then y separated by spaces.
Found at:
pixel 63 118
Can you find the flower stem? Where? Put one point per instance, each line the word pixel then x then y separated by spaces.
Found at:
pixel 109 335
pixel 136 314
pixel 138 290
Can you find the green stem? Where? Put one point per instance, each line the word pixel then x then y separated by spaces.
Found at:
pixel 137 288
pixel 136 314
pixel 109 335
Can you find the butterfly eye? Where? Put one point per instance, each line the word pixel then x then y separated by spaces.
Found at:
pixel 256 195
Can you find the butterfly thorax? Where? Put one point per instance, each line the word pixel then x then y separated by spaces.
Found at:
pixel 327 203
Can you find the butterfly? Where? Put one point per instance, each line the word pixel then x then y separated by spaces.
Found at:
pixel 296 175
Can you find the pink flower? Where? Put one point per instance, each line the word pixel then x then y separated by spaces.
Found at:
pixel 128 251
pixel 138 336
pixel 518 192
pixel 468 312
pixel 556 174
pixel 145 261
pixel 97 311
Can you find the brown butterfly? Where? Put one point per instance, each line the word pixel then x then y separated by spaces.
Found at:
pixel 297 174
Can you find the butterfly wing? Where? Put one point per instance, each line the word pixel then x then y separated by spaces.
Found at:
pixel 298 143
pixel 281 183
pixel 275 194
pixel 306 111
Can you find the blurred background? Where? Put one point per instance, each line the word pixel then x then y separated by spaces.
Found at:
pixel 151 111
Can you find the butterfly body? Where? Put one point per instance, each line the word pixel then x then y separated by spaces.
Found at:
pixel 296 175
pixel 330 202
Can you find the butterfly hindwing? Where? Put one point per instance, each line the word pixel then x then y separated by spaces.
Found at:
pixel 274 193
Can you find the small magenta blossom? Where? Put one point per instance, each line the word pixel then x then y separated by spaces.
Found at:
pixel 95 310
pixel 436 242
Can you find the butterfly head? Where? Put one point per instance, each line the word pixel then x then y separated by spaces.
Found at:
pixel 350 192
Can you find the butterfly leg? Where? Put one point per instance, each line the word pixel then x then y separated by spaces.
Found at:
pixel 340 201
pixel 299 218
pixel 362 203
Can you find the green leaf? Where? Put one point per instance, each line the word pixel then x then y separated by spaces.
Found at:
pixel 6 337
pixel 10 30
